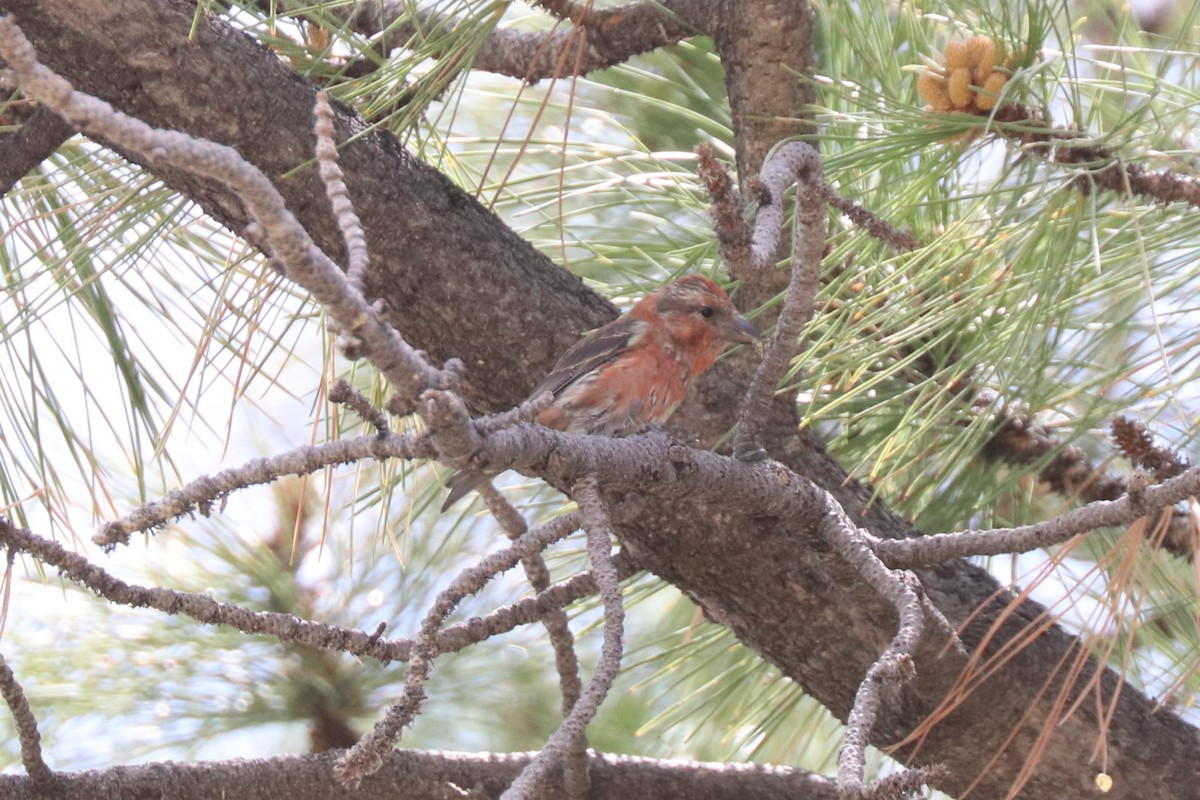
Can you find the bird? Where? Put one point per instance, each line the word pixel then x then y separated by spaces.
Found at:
pixel 635 371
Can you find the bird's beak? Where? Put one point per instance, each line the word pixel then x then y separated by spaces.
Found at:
pixel 743 331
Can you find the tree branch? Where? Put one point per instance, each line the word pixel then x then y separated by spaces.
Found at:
pixel 407 372
pixel 200 494
pixel 31 144
pixel 613 36
pixel 573 727
pixel 418 775
pixel 796 163
pixel 558 629
pixel 287 627
pixel 367 756
pixel 26 725
pixel 1101 514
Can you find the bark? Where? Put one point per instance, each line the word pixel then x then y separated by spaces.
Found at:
pixel 459 283
pixel 765 47
pixel 31 144
pixel 419 776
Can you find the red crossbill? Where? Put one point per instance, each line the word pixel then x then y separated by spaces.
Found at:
pixel 636 370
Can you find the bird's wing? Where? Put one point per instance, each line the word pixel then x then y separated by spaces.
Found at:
pixel 590 353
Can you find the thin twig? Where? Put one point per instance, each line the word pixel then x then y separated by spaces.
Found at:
pixel 25 723
pixel 367 756
pixel 357 255
pixel 343 393
pixel 573 728
pixel 557 626
pixel 1067 469
pixel 525 412
pixel 880 228
pixel 895 665
pixel 798 163
pixel 288 627
pixel 727 214
pixel 1098 165
pixel 199 495
pixel 941 547
pixel 538 573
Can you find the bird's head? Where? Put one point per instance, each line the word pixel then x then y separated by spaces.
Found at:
pixel 698 320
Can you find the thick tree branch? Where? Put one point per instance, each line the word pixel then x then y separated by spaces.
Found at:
pixel 418 775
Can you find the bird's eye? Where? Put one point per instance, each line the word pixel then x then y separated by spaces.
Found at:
pixel 706 311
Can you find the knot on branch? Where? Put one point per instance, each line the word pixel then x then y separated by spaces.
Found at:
pixel 454 436
pixel 895 669
pixel 1139 482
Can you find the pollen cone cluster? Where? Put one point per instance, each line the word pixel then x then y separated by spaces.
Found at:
pixel 970 81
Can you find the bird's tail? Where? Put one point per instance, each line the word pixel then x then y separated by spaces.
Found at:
pixel 461 483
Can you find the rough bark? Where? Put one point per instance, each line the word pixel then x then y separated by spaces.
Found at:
pixel 461 284
pixel 31 144
pixel 765 48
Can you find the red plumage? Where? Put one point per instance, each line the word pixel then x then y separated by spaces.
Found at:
pixel 636 370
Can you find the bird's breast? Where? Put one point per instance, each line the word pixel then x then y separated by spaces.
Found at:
pixel 640 387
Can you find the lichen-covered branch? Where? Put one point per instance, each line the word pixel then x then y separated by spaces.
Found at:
pixel 797 163
pixel 288 627
pixel 558 629
pixel 199 495
pixel 419 775
pixel 748 251
pixel 367 756
pixel 895 665
pixel 25 723
pixel 357 257
pixel 610 36
pixel 573 728
pixel 941 547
